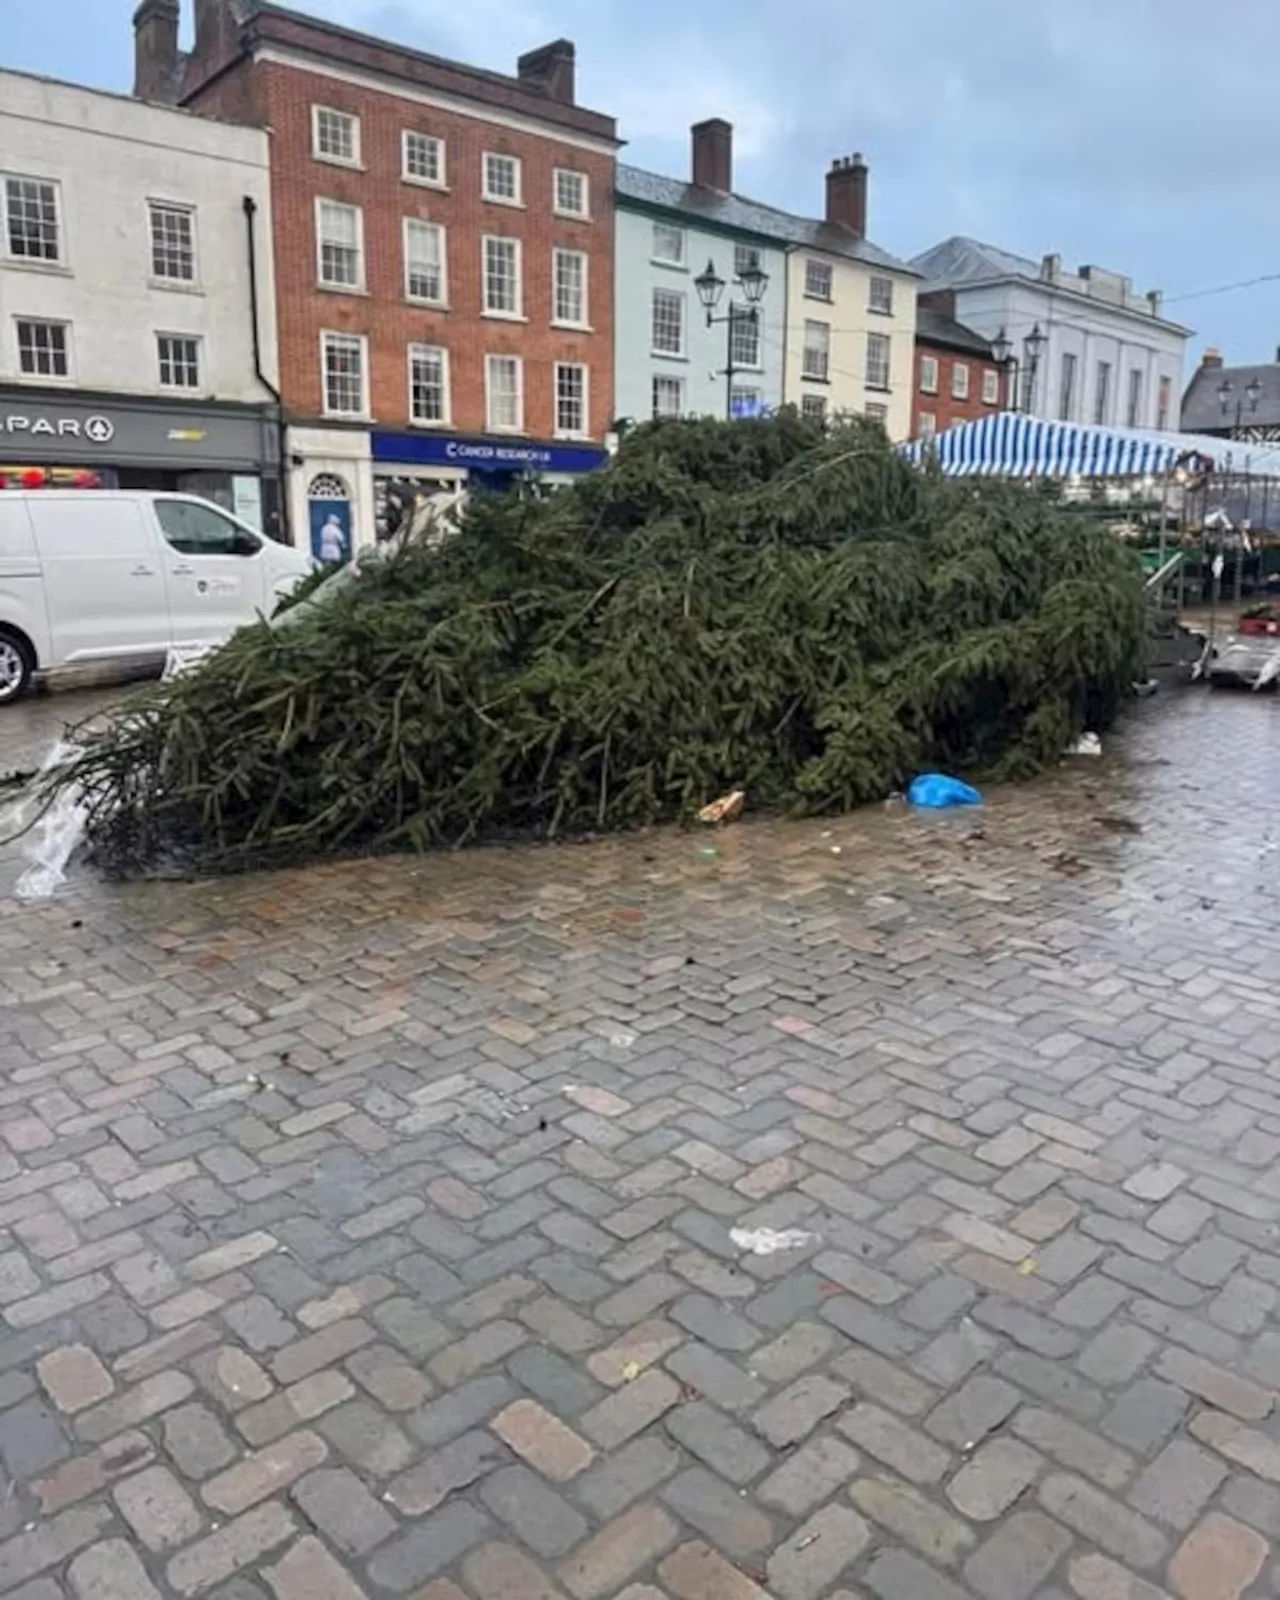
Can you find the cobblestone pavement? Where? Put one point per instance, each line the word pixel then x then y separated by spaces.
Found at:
pixel 385 1229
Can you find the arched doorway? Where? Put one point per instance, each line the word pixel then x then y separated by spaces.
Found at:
pixel 329 518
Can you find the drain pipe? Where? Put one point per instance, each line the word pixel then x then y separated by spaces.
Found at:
pixel 250 214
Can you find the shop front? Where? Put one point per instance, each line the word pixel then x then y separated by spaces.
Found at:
pixel 225 453
pixel 445 464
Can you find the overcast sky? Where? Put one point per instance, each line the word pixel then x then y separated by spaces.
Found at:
pixel 1137 135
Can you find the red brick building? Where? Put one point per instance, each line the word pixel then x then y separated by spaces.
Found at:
pixel 957 377
pixel 443 248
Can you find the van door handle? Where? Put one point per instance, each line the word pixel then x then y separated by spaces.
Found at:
pixel 182 572
pixel 143 571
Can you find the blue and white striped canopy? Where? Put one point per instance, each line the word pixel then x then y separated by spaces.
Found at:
pixel 1014 446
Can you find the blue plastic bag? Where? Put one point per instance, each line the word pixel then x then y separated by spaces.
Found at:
pixel 936 791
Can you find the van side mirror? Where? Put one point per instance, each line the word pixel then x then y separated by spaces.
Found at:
pixel 246 543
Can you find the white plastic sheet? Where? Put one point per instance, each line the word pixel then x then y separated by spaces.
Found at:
pixel 54 835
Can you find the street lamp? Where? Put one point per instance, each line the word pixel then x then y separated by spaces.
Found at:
pixel 1032 347
pixel 753 282
pixel 1008 364
pixel 1252 392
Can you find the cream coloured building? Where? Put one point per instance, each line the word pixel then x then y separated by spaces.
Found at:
pixel 851 312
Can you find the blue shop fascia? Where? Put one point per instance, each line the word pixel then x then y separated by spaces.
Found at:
pixel 444 463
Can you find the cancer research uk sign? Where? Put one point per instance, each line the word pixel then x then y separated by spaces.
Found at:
pixel 485 455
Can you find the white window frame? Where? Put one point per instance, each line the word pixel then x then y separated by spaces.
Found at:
pixel 750 393
pixel 166 280
pixel 990 387
pixel 928 374
pixel 584 432
pixel 679 296
pixel 442 299
pixel 959 380
pixel 824 268
pixel 876 411
pixel 582 213
pixel 746 257
pixel 485 309
pixel 358 287
pixel 441 180
pixel 673 230
pixel 557 321
pixel 362 341
pixel 412 353
pixel 883 342
pixel 817 369
pixel 927 425
pixel 490 425
pixel 186 338
pixel 677 383
pixel 877 281
pixel 353 160
pixel 486 193
pixel 742 321
pixel 34 263
pixel 813 407
pixel 44 322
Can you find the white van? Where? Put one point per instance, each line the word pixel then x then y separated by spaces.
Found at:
pixel 114 576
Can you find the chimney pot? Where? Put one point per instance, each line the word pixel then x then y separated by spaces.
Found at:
pixel 847 194
pixel 713 154
pixel 551 69
pixel 155 50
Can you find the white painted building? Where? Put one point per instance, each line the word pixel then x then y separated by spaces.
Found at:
pixel 128 345
pixel 1106 354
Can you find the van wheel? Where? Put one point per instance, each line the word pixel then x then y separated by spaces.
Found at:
pixel 17 665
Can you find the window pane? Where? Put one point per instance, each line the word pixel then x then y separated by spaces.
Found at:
pixel 744 401
pixel 571 398
pixel 990 388
pixel 31 210
pixel 877 413
pixel 343 374
pixel 42 349
pixel 335 134
pixel 668 397
pixel 959 381
pixel 423 157
pixel 745 339
pixel 746 258
pixel 173 249
pixel 340 263
pixel 502 276
pixel 817 280
pixel 502 375
pixel 929 374
pixel 570 286
pixel 1067 388
pixel 878 360
pixel 881 294
pixel 424 260
pixel 1102 393
pixel 179 361
pixel 427 397
pixel 813 407
pixel 815 356
pixel 668 322
pixel 501 177
pixel 668 243
pixel 571 192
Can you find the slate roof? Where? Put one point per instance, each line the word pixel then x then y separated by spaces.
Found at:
pixel 740 215
pixel 1202 410
pixel 961 262
pixel 933 327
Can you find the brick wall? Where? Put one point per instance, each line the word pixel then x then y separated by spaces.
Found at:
pixel 283 95
pixel 945 408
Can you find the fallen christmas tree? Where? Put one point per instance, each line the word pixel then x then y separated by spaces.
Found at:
pixel 753 605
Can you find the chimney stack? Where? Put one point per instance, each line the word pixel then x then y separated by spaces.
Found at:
pixel 550 69
pixel 1212 358
pixel 847 194
pixel 713 154
pixel 155 50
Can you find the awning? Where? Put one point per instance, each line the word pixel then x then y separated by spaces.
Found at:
pixel 1010 445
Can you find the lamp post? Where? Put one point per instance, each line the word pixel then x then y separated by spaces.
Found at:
pixel 1008 364
pixel 1032 348
pixel 1226 393
pixel 753 282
